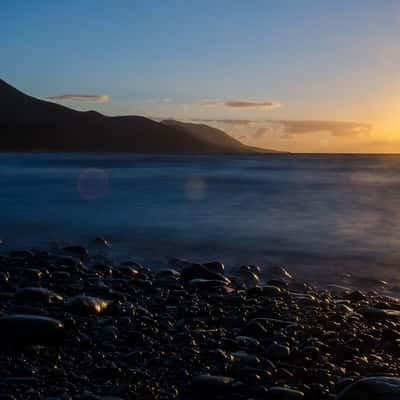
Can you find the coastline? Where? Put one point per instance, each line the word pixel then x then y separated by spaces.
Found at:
pixel 86 327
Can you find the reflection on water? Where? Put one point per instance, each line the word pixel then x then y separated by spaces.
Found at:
pixel 314 210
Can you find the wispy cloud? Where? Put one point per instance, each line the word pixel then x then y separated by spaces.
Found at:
pixel 292 128
pixel 159 100
pixel 94 98
pixel 240 104
pixel 252 104
pixel 335 128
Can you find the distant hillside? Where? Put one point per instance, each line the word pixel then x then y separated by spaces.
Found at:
pixel 30 124
pixel 214 136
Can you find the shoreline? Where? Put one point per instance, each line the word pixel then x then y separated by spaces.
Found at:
pixel 78 327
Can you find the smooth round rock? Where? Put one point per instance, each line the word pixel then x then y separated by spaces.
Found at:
pixel 37 295
pixel 372 388
pixel 78 251
pixel 379 314
pixel 86 305
pixel 215 266
pixel 197 271
pixel 248 277
pixel 282 393
pixel 30 330
pixel 212 383
pixel 278 352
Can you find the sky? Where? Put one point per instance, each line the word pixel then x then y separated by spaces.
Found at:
pixel 294 75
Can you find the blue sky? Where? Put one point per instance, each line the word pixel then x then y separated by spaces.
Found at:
pixel 319 60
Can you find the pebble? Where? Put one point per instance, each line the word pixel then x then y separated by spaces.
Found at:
pixel 86 305
pixel 212 384
pixel 30 330
pixel 37 295
pixel 278 352
pixel 282 393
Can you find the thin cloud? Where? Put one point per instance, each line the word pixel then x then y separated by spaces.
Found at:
pixel 335 128
pixel 252 104
pixel 291 128
pixel 240 104
pixel 236 122
pixel 94 98
pixel 159 100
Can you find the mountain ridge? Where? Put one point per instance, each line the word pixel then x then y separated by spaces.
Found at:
pixel 31 124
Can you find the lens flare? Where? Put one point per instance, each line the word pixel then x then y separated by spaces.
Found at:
pixel 92 183
pixel 195 188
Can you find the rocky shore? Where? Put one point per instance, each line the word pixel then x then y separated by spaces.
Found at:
pixel 74 326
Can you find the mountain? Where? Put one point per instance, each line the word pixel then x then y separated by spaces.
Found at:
pixel 31 124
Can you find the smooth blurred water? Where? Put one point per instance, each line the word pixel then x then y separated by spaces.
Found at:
pixel 300 209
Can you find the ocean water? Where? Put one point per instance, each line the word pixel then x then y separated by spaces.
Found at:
pixel 320 213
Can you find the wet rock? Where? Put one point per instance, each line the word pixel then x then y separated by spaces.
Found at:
pixel 24 254
pixel 168 273
pixel 4 277
pixel 282 393
pixel 32 274
pixel 271 291
pixel 378 314
pixel 37 295
pixel 256 330
pixel 77 251
pixel 247 277
pixel 337 290
pixel 372 388
pixel 281 283
pixel 207 283
pixel 101 241
pixel 86 305
pixel 215 266
pixel 197 271
pixel 212 384
pixel 278 352
pixel 30 329
pixel 277 272
pixel 246 358
pixel 354 296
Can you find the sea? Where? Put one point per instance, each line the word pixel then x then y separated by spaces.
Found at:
pixel 322 216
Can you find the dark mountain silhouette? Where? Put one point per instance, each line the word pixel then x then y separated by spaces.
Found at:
pixel 30 124
pixel 214 136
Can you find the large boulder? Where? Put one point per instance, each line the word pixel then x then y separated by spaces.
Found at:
pixel 372 388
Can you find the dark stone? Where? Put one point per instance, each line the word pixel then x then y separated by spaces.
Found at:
pixel 197 271
pixel 101 241
pixel 278 352
pixel 372 388
pixel 271 291
pixel 215 266
pixel 77 251
pixel 256 330
pixel 282 393
pixel 248 278
pixel 212 384
pixel 37 295
pixel 379 314
pixel 30 329
pixel 86 305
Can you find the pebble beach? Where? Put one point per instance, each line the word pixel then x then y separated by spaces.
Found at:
pixel 75 326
